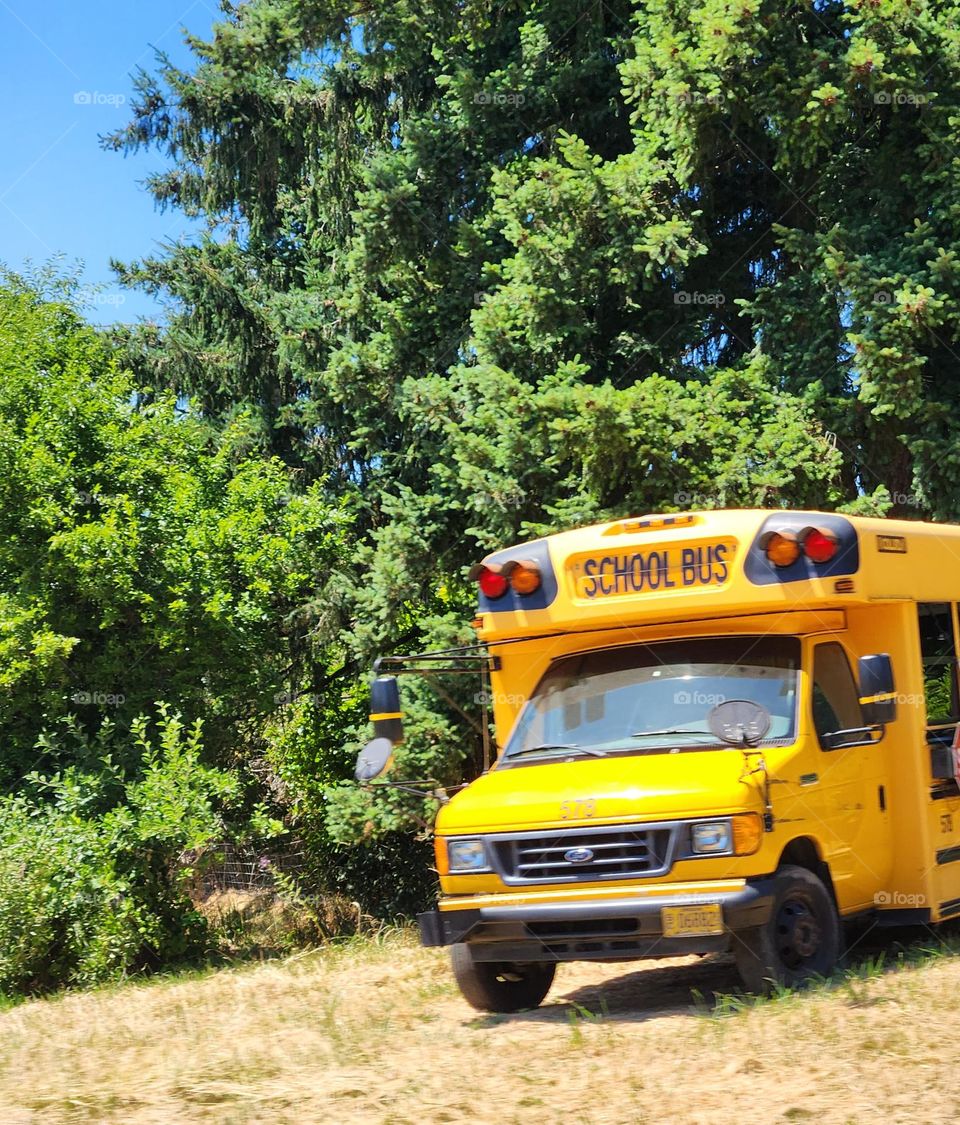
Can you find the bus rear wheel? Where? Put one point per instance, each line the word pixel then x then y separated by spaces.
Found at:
pixel 799 942
pixel 500 986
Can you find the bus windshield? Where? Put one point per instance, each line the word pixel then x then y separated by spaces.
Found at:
pixel 655 698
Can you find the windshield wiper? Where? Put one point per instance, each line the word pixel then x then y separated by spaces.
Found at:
pixel 556 746
pixel 672 730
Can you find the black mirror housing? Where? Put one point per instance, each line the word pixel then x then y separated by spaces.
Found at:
pixel 385 711
pixel 878 701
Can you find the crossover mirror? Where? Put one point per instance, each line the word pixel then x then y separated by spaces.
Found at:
pixel 739 722
pixel 375 759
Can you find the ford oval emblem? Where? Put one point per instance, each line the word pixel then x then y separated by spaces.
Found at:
pixel 578 855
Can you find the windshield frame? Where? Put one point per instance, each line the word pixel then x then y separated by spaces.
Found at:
pixel 689 736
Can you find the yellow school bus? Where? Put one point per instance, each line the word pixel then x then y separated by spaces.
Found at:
pixel 722 730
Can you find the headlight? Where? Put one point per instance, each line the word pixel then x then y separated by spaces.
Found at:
pixel 711 838
pixel 466 855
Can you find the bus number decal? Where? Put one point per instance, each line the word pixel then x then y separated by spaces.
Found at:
pixel 578 810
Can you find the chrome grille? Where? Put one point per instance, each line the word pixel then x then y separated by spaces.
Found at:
pixel 619 852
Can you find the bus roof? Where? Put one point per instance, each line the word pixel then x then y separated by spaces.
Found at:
pixel 691 565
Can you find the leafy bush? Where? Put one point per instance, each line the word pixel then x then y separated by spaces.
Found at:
pixel 388 876
pixel 91 878
pixel 143 554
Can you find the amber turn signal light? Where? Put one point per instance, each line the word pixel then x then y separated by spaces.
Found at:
pixel 747 833
pixel 782 548
pixel 442 858
pixel 525 578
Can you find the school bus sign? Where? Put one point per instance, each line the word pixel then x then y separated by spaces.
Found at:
pixel 649 571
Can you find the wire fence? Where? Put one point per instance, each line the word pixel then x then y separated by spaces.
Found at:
pixel 239 868
pixel 264 897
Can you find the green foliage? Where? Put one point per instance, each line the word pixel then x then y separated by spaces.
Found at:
pixel 938 693
pixel 818 146
pixel 91 858
pixel 388 874
pixel 145 555
pixel 525 461
pixel 482 271
pixel 139 558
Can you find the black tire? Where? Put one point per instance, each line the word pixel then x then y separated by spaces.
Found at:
pixel 800 942
pixel 500 986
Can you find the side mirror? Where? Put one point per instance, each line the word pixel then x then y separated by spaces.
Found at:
pixel 385 709
pixel 878 701
pixel 375 758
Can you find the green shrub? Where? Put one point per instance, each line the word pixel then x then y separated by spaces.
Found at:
pixel 92 868
pixel 140 547
pixel 389 876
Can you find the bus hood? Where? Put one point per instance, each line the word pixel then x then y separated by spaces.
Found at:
pixel 644 787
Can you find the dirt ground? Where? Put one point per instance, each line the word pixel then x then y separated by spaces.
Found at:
pixel 375 1032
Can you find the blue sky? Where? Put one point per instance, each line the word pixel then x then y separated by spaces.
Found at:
pixel 65 72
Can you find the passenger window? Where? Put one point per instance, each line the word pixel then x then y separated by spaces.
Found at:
pixel 836 704
pixel 939 655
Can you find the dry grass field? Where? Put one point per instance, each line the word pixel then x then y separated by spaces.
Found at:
pixel 374 1031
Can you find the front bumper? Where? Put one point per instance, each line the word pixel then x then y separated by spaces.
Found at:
pixel 621 929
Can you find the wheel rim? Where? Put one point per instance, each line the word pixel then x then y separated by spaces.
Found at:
pixel 798 933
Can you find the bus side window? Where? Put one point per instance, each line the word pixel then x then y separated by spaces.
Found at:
pixel 836 703
pixel 939 655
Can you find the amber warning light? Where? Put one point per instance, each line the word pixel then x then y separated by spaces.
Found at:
pixel 783 548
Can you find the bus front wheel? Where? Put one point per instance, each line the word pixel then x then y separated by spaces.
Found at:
pixel 500 986
pixel 799 942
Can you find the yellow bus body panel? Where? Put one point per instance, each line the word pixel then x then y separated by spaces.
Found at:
pixel 870 814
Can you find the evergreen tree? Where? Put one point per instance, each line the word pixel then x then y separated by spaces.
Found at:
pixel 492 268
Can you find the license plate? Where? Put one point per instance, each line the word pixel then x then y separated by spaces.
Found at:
pixel 691 921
